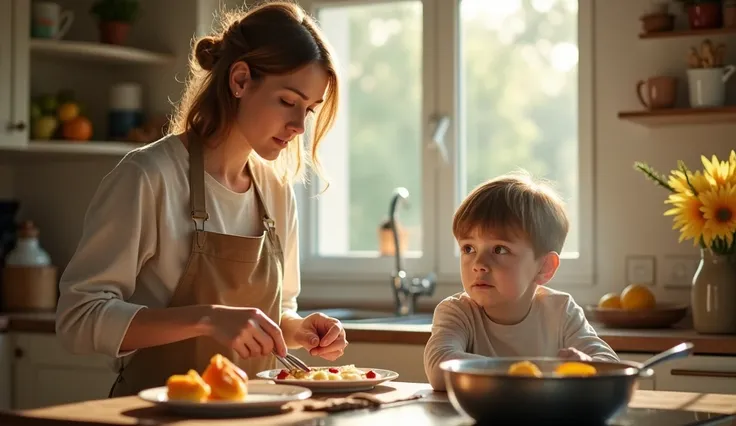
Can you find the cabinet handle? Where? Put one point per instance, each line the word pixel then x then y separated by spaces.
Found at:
pixel 19 352
pixel 702 373
pixel 19 126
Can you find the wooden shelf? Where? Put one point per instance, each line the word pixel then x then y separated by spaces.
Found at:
pixel 98 52
pixel 69 147
pixel 681 116
pixel 689 33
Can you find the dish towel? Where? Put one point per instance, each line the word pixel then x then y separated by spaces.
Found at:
pixel 353 401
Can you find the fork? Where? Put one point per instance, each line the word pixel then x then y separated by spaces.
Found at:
pixel 291 362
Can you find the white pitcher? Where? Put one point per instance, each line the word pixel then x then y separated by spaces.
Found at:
pixel 707 86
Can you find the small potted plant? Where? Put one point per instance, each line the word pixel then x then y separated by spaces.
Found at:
pixel 704 14
pixel 115 18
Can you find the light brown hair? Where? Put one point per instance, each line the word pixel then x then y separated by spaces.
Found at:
pixel 273 38
pixel 515 205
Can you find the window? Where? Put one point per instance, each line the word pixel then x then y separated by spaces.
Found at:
pixel 511 78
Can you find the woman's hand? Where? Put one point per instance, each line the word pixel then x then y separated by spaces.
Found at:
pixel 247 330
pixel 322 336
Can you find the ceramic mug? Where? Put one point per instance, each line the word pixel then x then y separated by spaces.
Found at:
pixel 707 86
pixel 50 21
pixel 661 92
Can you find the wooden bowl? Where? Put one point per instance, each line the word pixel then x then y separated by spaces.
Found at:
pixel 664 315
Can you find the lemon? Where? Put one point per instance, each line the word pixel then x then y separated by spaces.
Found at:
pixel 637 296
pixel 524 368
pixel 68 111
pixel 575 369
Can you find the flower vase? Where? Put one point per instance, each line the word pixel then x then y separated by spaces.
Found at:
pixel 713 296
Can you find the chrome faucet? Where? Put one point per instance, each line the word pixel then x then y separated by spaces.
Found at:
pixel 406 290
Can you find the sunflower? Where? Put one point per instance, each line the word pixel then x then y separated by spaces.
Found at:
pixel 719 212
pixel 679 182
pixel 720 172
pixel 688 217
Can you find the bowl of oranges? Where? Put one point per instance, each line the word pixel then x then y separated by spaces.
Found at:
pixel 635 307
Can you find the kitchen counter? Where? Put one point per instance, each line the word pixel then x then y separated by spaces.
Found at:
pixel 132 410
pixel 645 341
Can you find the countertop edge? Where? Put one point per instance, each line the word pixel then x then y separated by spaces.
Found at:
pixel 632 341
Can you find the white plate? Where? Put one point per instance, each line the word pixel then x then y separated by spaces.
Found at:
pixel 263 398
pixel 334 386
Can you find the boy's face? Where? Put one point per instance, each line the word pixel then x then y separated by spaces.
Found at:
pixel 501 271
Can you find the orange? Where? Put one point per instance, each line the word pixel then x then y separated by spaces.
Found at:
pixel 575 369
pixel 224 380
pixel 637 296
pixel 524 368
pixel 189 387
pixel 610 301
pixel 77 129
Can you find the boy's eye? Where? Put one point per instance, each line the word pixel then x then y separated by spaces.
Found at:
pixel 500 250
pixel 466 249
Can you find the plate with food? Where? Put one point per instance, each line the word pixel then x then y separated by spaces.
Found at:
pixel 339 379
pixel 223 390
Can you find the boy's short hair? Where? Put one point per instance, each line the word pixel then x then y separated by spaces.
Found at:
pixel 514 204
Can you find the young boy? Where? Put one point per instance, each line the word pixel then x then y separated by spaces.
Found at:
pixel 510 231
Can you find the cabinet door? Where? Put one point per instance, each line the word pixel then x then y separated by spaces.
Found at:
pixel 14 71
pixel 45 374
pixel 5 372
pixel 700 373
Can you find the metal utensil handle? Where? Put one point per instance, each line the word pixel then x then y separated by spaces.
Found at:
pixel 682 350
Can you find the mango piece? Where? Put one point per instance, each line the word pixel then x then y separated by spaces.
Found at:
pixel 187 387
pixel 525 368
pixel 575 369
pixel 226 382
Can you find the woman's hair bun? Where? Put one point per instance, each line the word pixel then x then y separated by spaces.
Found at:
pixel 207 52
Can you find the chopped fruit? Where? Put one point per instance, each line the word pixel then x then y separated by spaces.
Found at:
pixel 370 375
pixel 226 382
pixel 283 374
pixel 333 370
pixel 524 368
pixel 188 387
pixel 576 369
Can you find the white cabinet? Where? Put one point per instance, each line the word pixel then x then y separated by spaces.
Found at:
pixel 698 373
pixel 14 72
pixel 712 374
pixel 45 374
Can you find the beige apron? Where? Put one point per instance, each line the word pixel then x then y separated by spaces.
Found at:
pixel 224 270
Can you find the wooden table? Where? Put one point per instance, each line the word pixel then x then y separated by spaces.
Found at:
pixel 133 411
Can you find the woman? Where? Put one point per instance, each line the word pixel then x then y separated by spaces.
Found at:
pixel 190 245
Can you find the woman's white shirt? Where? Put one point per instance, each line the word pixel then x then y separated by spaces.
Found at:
pixel 137 238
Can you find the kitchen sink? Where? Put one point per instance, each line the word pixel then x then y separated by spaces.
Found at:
pixel 363 316
pixel 350 315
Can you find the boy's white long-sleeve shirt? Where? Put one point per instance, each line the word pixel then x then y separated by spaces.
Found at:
pixel 462 330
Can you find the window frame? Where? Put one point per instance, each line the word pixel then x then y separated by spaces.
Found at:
pixel 440 89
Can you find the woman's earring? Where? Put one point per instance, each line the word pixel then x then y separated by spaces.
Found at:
pixel 237 94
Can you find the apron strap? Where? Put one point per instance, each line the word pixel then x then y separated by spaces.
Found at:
pixel 196 184
pixel 268 222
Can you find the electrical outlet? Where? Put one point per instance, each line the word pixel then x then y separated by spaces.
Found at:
pixel 678 270
pixel 640 270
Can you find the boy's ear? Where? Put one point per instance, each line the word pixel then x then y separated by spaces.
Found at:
pixel 550 263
